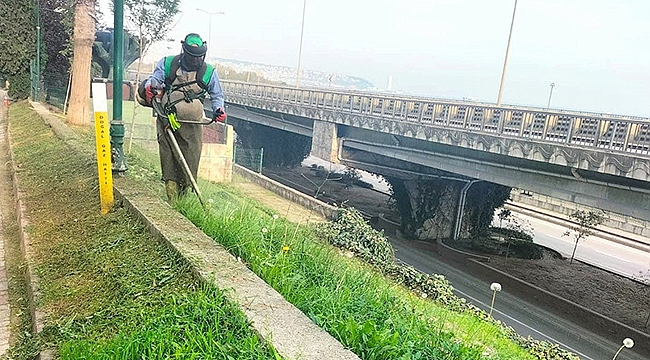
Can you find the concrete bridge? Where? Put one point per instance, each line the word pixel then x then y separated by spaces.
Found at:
pixel 598 160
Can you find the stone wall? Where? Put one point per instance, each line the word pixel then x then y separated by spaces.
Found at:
pixel 217 152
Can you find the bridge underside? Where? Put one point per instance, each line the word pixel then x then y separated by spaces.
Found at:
pixel 360 148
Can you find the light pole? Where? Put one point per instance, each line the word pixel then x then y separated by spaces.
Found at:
pixel 495 287
pixel 302 31
pixel 549 95
pixel 627 343
pixel 210 29
pixel 116 129
pixel 505 61
pixel 38 59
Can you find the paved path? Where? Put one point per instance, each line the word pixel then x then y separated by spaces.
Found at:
pixel 7 217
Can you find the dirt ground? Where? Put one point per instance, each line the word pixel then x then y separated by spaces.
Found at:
pixel 609 294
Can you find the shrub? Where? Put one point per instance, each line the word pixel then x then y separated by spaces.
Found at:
pixel 19 86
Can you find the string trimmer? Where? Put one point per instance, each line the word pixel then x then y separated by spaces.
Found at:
pixel 168 112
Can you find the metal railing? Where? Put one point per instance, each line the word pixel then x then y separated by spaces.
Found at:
pixel 587 130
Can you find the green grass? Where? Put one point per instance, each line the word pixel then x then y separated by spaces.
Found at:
pixel 108 289
pixel 200 325
pixel 367 312
pixel 370 314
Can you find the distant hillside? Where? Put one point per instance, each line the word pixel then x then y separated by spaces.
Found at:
pixel 287 75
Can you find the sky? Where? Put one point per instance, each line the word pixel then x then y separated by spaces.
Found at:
pixel 597 52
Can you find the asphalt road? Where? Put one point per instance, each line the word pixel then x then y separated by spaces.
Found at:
pixel 526 319
pixel 606 254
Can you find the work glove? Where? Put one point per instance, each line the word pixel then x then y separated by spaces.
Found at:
pixel 173 122
pixel 219 115
pixel 154 89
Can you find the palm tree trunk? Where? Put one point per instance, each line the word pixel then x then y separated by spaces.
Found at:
pixel 83 38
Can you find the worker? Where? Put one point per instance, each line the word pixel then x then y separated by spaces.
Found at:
pixel 189 76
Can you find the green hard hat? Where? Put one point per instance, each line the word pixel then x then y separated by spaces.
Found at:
pixel 194 45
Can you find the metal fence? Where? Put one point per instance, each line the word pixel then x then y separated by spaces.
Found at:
pixel 55 89
pixel 249 158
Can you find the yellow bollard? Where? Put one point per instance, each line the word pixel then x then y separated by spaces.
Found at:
pixel 103 146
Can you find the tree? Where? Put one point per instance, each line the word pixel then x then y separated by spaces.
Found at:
pixel 417 201
pixel 83 38
pixel 585 223
pixel 17 44
pixel 150 20
pixel 56 20
pixel 503 214
pixel 522 229
pixel 482 199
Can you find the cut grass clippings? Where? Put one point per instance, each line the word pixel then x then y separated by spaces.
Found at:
pixel 108 289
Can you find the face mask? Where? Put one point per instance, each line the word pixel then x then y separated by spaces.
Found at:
pixel 191 63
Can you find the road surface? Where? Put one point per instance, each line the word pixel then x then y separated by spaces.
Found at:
pixel 605 254
pixel 526 319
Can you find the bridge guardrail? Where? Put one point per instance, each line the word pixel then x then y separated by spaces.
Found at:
pixel 616 133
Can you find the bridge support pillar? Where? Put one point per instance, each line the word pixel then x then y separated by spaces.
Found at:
pixel 324 141
pixel 434 208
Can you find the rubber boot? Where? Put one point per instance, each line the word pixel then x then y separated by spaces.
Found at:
pixel 171 188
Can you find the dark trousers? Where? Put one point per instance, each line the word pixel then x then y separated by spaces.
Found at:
pixel 189 139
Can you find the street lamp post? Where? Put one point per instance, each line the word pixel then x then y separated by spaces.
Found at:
pixel 627 343
pixel 495 287
pixel 37 88
pixel 210 29
pixel 505 61
pixel 302 31
pixel 117 125
pixel 549 95
pixel 38 60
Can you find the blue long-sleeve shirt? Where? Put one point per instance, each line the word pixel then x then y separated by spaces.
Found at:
pixel 214 87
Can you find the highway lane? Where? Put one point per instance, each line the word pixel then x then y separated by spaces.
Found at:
pixel 615 257
pixel 525 318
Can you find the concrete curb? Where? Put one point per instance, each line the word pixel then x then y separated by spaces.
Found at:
pixel 462 253
pixel 322 208
pixel 277 321
pixel 38 317
pixel 7 220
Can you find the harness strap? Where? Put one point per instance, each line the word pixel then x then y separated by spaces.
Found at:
pixel 203 75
